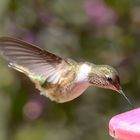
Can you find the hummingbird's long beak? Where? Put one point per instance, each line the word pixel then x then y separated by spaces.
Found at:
pixel 122 93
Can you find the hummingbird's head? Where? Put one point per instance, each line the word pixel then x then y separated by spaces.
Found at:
pixel 105 76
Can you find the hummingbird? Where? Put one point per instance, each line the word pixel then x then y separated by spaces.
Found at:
pixel 59 79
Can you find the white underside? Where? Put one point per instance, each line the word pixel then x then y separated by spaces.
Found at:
pixel 83 73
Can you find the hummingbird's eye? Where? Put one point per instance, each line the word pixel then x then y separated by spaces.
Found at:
pixel 109 79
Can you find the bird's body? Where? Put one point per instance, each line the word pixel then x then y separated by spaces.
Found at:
pixel 68 88
pixel 61 80
pixel 71 85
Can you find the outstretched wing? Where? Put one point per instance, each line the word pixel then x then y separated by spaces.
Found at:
pixel 33 60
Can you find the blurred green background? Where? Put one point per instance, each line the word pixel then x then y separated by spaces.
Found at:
pixel 102 32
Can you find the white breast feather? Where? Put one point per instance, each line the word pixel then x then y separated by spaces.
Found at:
pixel 83 73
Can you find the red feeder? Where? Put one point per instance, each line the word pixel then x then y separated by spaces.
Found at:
pixel 126 126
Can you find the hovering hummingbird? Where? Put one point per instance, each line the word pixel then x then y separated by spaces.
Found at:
pixel 57 78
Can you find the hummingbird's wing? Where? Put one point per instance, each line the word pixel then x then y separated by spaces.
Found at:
pixel 32 60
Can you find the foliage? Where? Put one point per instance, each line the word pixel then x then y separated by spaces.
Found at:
pixel 102 32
